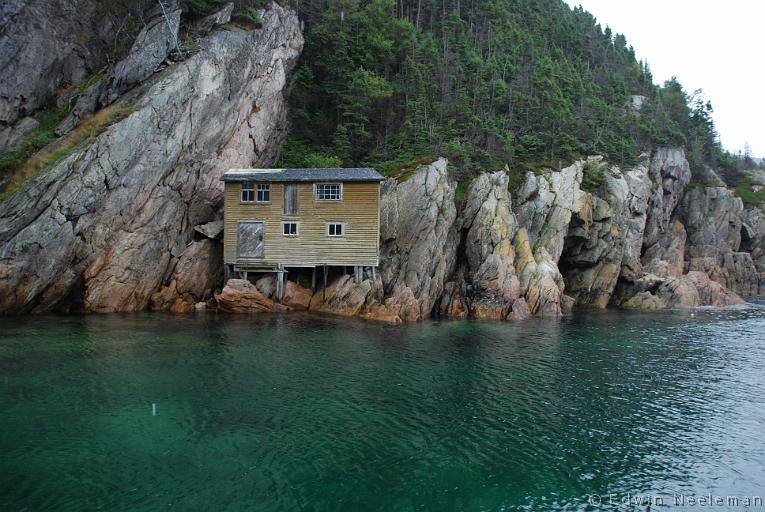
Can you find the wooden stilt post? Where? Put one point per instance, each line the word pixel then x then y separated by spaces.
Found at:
pixel 246 276
pixel 374 276
pixel 324 289
pixel 280 285
pixel 313 280
pixel 358 273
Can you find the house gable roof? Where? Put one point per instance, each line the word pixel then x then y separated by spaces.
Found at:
pixel 363 174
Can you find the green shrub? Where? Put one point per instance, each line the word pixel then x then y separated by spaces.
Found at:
pixel 200 7
pixel 461 192
pixel 22 167
pixel 248 16
pixel 745 190
pixel 593 176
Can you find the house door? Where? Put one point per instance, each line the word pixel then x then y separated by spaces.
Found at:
pixel 249 240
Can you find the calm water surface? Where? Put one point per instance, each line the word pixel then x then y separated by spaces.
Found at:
pixel 314 413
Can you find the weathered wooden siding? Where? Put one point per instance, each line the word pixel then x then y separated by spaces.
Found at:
pixel 359 211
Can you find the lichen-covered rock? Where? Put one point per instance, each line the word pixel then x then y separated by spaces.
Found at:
pixel 240 296
pixel 644 301
pixel 418 235
pixel 636 214
pixel 753 240
pixel 667 256
pixel 545 205
pixel 713 218
pixel 540 280
pixel 213 229
pixel 594 245
pixel 670 173
pixel 490 227
pixel 687 291
pixel 106 222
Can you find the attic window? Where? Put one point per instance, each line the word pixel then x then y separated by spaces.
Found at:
pixel 328 192
pixel 248 192
pixel 264 193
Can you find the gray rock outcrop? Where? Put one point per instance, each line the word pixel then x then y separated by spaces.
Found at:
pixel 153 45
pixel 109 223
pixel 713 218
pixel 546 203
pixel 490 227
pixel 418 236
pixel 669 173
pixel 11 137
pixel 219 17
pixel 86 104
pixel 48 44
pixel 595 242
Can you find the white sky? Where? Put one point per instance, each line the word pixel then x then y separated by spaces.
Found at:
pixel 714 45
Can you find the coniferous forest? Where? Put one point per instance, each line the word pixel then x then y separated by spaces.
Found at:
pixel 486 83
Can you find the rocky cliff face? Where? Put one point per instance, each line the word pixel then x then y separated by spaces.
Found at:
pixel 113 222
pixel 642 239
pixel 129 219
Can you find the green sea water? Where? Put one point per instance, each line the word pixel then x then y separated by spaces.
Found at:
pixel 298 412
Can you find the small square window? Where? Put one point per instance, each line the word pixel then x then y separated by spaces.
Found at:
pixel 329 192
pixel 334 229
pixel 248 192
pixel 290 228
pixel 264 193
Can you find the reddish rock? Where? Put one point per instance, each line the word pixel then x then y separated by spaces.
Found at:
pixel 343 297
pixel 295 296
pixel 485 310
pixel 520 310
pixel 381 313
pixel 712 293
pixel 240 296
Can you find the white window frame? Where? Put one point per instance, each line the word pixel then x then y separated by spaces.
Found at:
pixel 297 228
pixel 316 192
pixel 247 187
pixel 342 229
pixel 262 187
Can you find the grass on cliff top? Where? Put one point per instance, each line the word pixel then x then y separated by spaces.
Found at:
pixel 745 190
pixel 10 161
pixel 247 18
pixel 87 131
pixel 403 168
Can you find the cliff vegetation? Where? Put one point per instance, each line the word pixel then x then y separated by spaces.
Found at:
pixel 484 83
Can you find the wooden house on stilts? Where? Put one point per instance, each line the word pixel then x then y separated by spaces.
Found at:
pixel 277 219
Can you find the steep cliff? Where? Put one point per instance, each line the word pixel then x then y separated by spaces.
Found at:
pixel 113 222
pixel 623 241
